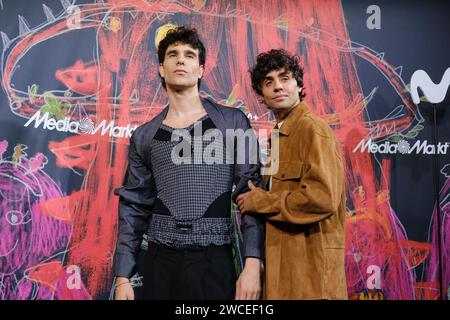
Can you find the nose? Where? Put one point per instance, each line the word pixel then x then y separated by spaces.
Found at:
pixel 277 86
pixel 180 60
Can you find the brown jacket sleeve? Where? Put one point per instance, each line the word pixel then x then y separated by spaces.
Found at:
pixel 319 189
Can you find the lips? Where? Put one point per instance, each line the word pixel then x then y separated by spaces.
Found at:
pixel 278 98
pixel 180 71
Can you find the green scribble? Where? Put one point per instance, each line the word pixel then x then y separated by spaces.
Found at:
pixel 52 106
pixel 230 99
pixel 19 152
pixel 409 135
pixel 33 92
pixel 236 240
pixel 414 131
pixel 395 138
pixel 243 108
pixel 283 24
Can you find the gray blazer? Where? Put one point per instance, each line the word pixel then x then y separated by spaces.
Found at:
pixel 138 193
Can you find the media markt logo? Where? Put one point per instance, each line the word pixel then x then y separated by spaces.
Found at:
pixel 84 126
pixel 402 147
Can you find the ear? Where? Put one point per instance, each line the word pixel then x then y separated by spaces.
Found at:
pixel 201 71
pixel 161 70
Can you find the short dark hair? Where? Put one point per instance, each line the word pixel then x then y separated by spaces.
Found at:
pixel 273 60
pixel 184 35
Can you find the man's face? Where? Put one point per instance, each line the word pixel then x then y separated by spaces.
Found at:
pixel 280 90
pixel 181 67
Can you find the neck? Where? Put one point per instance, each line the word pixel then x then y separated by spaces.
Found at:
pixel 184 102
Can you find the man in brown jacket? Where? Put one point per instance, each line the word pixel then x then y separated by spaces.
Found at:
pixel 305 203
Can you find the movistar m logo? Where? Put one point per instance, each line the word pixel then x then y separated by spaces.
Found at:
pixel 84 126
pixel 434 93
pixel 402 147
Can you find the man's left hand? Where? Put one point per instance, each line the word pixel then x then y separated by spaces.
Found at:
pixel 248 286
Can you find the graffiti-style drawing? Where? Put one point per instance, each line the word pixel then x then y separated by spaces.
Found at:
pixel 432 276
pixel 106 97
pixel 35 231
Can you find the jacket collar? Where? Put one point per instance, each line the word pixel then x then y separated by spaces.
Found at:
pixel 213 110
pixel 290 122
pixel 210 107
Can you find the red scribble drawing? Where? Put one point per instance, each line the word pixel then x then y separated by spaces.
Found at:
pixel 121 87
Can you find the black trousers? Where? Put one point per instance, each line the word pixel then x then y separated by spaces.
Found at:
pixel 189 274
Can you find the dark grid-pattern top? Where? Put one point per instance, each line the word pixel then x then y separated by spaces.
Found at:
pixel 185 191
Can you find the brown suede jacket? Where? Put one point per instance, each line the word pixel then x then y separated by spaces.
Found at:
pixel 305 212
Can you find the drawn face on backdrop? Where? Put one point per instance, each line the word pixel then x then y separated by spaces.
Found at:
pixel 16 202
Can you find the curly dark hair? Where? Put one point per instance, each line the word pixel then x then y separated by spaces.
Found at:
pixel 184 35
pixel 273 60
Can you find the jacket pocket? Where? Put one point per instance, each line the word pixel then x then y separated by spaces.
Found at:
pixel 289 170
pixel 288 176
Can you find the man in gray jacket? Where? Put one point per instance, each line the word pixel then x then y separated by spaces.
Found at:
pixel 182 198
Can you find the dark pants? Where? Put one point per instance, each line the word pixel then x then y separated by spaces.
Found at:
pixel 188 274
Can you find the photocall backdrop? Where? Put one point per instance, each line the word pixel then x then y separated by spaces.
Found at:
pixel 78 76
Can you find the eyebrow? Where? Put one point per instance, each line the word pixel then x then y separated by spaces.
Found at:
pixel 185 51
pixel 282 74
pixel 191 51
pixel 171 51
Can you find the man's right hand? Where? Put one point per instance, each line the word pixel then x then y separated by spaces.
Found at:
pixel 124 290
